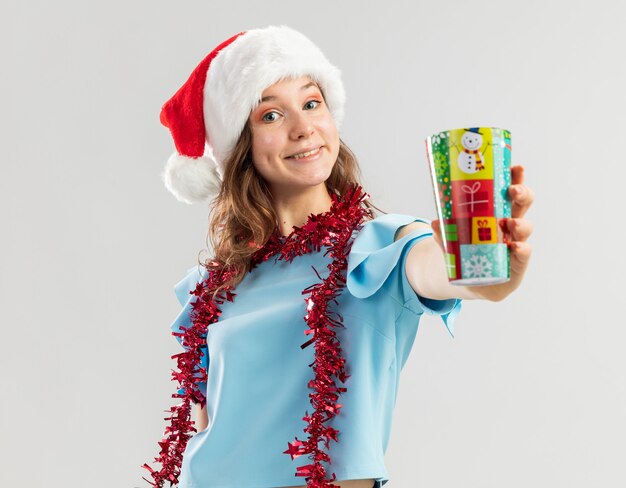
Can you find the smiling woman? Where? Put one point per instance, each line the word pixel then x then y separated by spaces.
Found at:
pixel 288 390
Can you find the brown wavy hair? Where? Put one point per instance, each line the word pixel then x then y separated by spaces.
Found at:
pixel 243 216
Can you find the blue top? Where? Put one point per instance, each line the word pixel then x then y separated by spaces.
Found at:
pixel 258 374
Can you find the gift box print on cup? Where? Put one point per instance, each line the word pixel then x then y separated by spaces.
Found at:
pixel 471 172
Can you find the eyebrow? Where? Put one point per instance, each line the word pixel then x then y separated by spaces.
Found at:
pixel 304 87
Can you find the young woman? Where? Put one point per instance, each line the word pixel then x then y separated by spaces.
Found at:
pixel 296 330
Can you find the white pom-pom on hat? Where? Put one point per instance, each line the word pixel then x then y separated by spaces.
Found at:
pixel 191 180
pixel 211 109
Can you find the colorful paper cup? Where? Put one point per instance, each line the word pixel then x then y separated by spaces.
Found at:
pixel 471 173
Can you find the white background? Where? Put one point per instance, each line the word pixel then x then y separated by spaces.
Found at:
pixel 532 390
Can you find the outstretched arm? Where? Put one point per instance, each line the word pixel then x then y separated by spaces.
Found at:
pixel 426 267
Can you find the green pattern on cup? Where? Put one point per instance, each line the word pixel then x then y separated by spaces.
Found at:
pixel 441 157
pixel 484 261
pixel 451 265
pixel 452 234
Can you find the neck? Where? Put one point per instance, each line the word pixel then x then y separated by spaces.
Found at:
pixel 293 207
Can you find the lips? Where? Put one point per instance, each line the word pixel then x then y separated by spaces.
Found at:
pixel 305 153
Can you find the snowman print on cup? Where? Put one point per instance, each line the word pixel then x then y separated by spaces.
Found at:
pixel 470 158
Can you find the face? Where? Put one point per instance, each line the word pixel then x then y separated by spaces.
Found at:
pixel 471 140
pixel 295 142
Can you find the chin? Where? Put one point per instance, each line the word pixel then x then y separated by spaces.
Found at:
pixel 312 177
pixel 318 179
pixel 307 185
pixel 301 185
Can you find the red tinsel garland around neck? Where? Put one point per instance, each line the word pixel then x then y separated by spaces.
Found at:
pixel 333 229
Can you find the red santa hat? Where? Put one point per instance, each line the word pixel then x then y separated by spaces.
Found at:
pixel 208 113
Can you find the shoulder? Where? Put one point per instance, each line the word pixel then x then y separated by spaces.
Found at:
pixel 387 228
pixel 410 228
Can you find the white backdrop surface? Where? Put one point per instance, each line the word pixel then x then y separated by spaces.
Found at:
pixel 532 390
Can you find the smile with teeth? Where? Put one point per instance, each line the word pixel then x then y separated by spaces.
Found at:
pixel 305 154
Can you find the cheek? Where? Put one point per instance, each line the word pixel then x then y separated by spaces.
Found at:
pixel 261 143
pixel 331 134
pixel 264 148
pixel 335 146
pixel 262 155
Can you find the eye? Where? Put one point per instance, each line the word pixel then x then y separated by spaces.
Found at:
pixel 311 104
pixel 270 117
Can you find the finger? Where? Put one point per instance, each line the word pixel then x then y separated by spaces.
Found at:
pixel 520 256
pixel 521 198
pixel 517 174
pixel 519 229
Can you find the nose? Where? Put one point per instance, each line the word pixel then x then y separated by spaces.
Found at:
pixel 301 126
